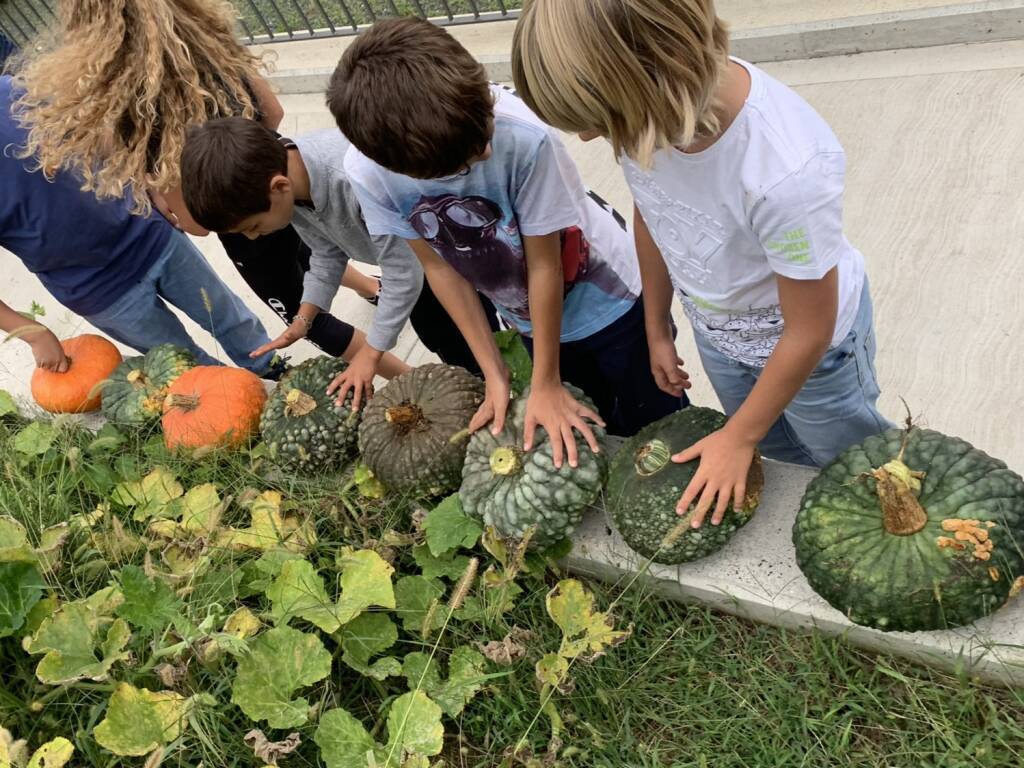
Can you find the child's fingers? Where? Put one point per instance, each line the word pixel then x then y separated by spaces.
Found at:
pixel 500 408
pixel 707 498
pixel 722 504
pixel 740 497
pixel 591 415
pixel 357 394
pixel 689 454
pixel 335 383
pixel 557 449
pixel 483 415
pixel 588 434
pixel 695 486
pixel 570 444
pixel 528 432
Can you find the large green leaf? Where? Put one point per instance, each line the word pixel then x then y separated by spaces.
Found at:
pixel 8 404
pixel 516 357
pixel 447 527
pixel 448 566
pixel 414 595
pixel 149 604
pixel 35 439
pixel 21 587
pixel 81 640
pixel 343 741
pixel 299 591
pixel 366 636
pixel 466 676
pixel 151 496
pixel 139 720
pixel 365 581
pixel 280 662
pixel 414 727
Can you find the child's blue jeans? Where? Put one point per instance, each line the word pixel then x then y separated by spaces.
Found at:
pixel 182 278
pixel 834 410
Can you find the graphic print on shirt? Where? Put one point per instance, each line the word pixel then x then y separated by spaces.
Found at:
pixel 747 337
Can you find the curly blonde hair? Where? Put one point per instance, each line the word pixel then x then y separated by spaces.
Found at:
pixel 643 73
pixel 112 94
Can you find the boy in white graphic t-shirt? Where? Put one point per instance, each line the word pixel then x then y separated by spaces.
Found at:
pixel 738 186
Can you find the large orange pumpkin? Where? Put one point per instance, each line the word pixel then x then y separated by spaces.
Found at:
pixel 91 360
pixel 213 406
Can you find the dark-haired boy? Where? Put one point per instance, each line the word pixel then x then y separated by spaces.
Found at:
pixel 490 201
pixel 239 176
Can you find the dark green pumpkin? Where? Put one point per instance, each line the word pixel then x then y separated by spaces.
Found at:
pixel 302 426
pixel 134 394
pixel 406 437
pixel 515 490
pixel 644 485
pixel 916 536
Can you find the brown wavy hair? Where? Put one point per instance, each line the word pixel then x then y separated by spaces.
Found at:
pixel 112 93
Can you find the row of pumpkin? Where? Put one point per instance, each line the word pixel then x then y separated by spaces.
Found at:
pixel 910 530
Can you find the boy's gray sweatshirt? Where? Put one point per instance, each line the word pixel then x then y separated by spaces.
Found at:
pixel 335 232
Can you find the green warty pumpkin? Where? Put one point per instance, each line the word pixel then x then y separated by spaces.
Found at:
pixel 406 437
pixel 913 530
pixel 644 485
pixel 135 391
pixel 302 426
pixel 514 490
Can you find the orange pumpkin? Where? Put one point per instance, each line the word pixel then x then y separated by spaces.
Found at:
pixel 91 360
pixel 213 406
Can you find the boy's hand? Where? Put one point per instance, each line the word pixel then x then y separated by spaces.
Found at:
pixel 722 475
pixel 555 409
pixel 495 404
pixel 667 366
pixel 294 332
pixel 357 378
pixel 48 352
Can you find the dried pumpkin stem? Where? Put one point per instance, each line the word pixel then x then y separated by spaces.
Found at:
pixel 137 378
pixel 406 415
pixel 298 403
pixel 897 487
pixel 185 402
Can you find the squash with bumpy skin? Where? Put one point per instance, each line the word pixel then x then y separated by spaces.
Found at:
pixel 213 406
pixel 644 486
pixel 406 437
pixel 515 490
pixel 91 359
pixel 134 393
pixel 913 530
pixel 303 427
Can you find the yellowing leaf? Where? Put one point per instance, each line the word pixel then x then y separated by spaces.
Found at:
pixel 344 742
pixel 466 676
pixel 139 720
pixel 552 670
pixel 197 513
pixel 53 754
pixel 365 581
pixel 151 495
pixel 270 529
pixel 414 727
pixel 299 592
pixel 14 543
pixel 280 661
pixel 585 630
pixel 242 623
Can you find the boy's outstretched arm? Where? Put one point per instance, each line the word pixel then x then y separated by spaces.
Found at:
pixel 551 405
pixel 666 365
pixel 460 301
pixel 809 308
pixel 46 348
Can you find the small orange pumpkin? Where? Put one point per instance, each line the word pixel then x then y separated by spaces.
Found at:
pixel 213 406
pixel 91 360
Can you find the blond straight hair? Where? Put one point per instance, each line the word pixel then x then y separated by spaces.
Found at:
pixel 111 93
pixel 643 73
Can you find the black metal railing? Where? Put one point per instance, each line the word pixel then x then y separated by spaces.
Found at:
pixel 281 20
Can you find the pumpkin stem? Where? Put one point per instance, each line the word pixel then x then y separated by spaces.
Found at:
pixel 298 403
pixel 137 378
pixel 505 461
pixel 652 458
pixel 185 402
pixel 406 416
pixel 897 487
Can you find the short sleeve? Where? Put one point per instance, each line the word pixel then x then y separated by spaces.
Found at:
pixel 380 213
pixel 549 198
pixel 799 221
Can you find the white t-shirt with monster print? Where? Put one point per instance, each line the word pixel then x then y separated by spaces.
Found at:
pixel 476 220
pixel 766 199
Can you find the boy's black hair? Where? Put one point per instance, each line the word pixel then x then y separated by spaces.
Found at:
pixel 226 168
pixel 412 99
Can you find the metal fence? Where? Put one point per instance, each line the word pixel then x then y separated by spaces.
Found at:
pixel 282 20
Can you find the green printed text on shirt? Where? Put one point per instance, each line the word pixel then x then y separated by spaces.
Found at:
pixel 792 246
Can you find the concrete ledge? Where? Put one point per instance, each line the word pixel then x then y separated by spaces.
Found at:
pixel 953 24
pixel 756 577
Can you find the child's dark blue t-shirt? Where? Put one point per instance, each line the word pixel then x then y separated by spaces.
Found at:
pixel 86 252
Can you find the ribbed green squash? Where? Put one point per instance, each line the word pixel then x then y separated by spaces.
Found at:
pixel 913 531
pixel 302 426
pixel 407 430
pixel 514 490
pixel 135 391
pixel 644 485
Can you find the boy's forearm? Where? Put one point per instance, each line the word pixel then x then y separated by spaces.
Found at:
pixel 462 304
pixel 654 277
pixel 11 321
pixel 545 285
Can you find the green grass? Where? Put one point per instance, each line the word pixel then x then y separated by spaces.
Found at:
pixel 689 688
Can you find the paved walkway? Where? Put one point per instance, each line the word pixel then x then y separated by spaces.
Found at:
pixel 933 201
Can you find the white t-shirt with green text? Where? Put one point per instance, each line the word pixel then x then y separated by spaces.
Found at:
pixel 766 199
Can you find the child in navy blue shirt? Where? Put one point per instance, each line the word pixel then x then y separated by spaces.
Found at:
pixel 118 271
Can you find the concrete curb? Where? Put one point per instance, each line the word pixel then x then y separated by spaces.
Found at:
pixel 947 25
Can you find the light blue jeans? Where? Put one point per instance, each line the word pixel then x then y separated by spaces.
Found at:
pixel 834 410
pixel 182 278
